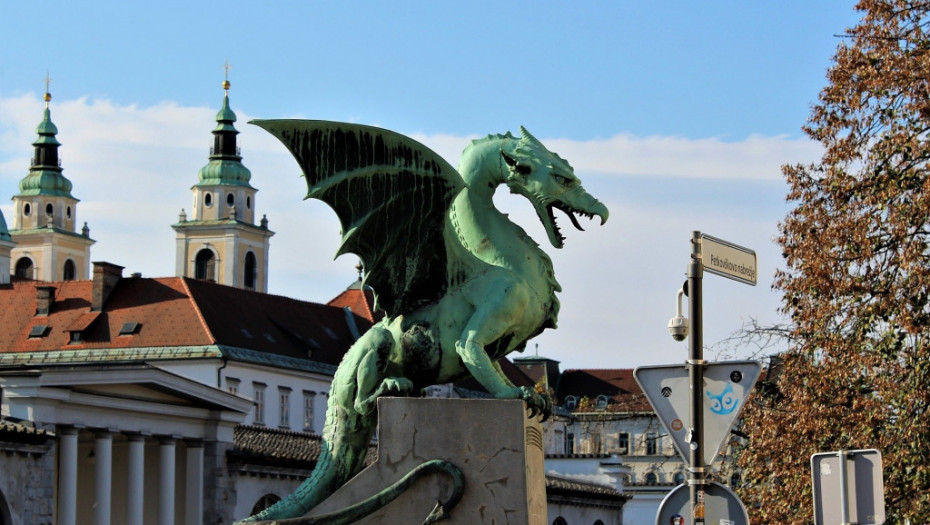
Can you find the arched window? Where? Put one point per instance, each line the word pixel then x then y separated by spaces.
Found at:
pixel 230 199
pixel 24 268
pixel 571 403
pixel 559 521
pixel 249 271
pixel 67 273
pixel 27 209
pixel 208 200
pixel 651 479
pixel 679 478
pixel 49 209
pixel 205 265
pixel 734 480
pixel 5 518
pixel 601 402
pixel 264 502
pixel 598 522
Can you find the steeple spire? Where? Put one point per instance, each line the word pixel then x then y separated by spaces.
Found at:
pixel 45 176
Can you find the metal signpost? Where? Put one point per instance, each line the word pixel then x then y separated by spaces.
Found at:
pixel 848 487
pixel 705 499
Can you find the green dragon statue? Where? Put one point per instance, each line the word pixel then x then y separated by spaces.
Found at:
pixel 462 286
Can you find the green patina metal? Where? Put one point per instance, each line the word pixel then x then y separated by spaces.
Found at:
pixel 45 176
pixel 225 167
pixel 461 284
pixel 4 231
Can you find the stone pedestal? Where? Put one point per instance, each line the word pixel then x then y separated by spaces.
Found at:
pixel 497 448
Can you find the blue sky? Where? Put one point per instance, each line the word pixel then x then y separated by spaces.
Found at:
pixel 676 114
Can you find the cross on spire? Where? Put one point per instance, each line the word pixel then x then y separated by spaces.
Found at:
pixel 48 95
pixel 226 68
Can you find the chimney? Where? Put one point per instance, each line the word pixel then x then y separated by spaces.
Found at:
pixel 106 276
pixel 45 296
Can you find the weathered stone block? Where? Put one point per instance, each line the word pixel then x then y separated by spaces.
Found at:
pixel 498 449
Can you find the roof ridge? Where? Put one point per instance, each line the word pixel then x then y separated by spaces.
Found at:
pixel 200 317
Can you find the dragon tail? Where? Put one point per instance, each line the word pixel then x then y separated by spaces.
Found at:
pixel 329 474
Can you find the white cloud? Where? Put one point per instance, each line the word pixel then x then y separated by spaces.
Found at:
pixel 132 167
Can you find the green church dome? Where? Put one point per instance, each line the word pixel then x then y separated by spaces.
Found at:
pixel 45 176
pixel 225 166
pixel 4 231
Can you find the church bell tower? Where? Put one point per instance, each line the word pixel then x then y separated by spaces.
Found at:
pixel 220 241
pixel 45 216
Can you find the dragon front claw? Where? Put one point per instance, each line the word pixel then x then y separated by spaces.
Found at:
pixel 539 404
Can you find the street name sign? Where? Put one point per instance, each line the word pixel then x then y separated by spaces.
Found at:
pixel 726 386
pixel 721 506
pixel 728 260
pixel 848 482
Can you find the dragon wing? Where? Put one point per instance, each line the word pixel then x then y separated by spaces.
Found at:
pixel 391 194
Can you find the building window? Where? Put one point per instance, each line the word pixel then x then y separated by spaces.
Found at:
pixel 249 271
pixel 264 502
pixel 601 402
pixel 284 402
pixel 569 443
pixel 652 444
pixel 248 202
pixel 208 200
pixel 232 386
pixel 679 477
pixel 259 398
pixel 68 271
pixel 49 210
pixel 24 269
pixel 68 211
pixel 734 480
pixel 571 403
pixel 651 479
pixel 309 399
pixel 623 443
pixel 205 265
pixel 27 209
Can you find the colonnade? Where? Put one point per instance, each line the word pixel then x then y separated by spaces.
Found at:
pixel 135 478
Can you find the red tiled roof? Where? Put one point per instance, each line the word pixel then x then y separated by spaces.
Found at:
pixel 174 311
pixel 361 302
pixel 617 384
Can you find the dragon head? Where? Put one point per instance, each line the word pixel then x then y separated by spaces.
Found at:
pixel 549 182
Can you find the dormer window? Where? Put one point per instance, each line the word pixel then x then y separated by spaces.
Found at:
pixel 571 402
pixel 601 402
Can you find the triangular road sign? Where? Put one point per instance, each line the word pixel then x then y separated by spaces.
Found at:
pixel 726 386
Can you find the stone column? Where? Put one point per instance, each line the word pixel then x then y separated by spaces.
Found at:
pixel 135 479
pixel 193 507
pixel 103 476
pixel 166 450
pixel 67 478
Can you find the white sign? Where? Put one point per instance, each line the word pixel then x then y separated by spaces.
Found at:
pixel 863 494
pixel 728 260
pixel 726 386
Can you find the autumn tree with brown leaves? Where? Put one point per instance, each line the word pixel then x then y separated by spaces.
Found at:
pixel 857 280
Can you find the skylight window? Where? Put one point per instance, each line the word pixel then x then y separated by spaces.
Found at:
pixel 129 328
pixel 39 330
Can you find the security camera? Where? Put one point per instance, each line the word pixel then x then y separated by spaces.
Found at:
pixel 678 325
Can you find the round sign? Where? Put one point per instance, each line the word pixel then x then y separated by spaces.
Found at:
pixel 721 505
pixel 677 425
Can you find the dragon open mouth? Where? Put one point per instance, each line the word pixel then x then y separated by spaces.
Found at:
pixel 556 233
